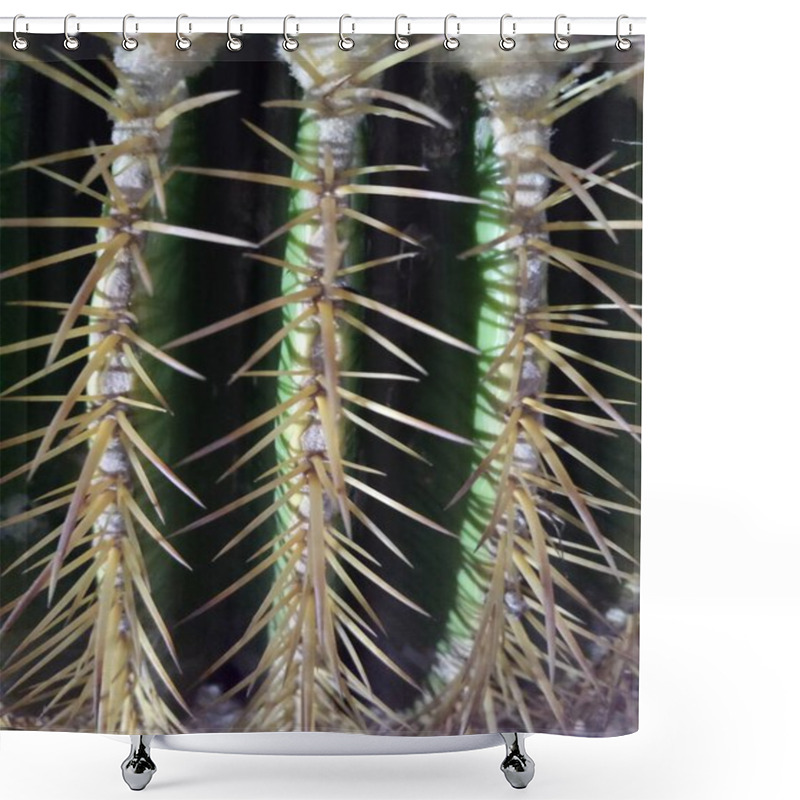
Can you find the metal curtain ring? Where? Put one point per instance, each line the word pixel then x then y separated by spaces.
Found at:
pixel 128 42
pixel 560 42
pixel 19 43
pixel 233 44
pixel 182 42
pixel 345 42
pixel 507 42
pixel 289 43
pixel 451 42
pixel 622 43
pixel 70 42
pixel 401 42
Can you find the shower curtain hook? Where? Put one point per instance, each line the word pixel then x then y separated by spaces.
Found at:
pixel 345 42
pixel 128 42
pixel 70 42
pixel 19 43
pixel 182 42
pixel 622 43
pixel 560 42
pixel 507 42
pixel 451 42
pixel 401 42
pixel 234 44
pixel 289 43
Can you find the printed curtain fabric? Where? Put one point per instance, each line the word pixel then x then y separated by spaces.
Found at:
pixel 320 385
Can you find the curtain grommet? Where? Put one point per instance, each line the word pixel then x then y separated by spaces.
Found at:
pixel 234 44
pixel 182 42
pixel 507 42
pixel 346 42
pixel 560 43
pixel 290 44
pixel 401 42
pixel 451 42
pixel 20 42
pixel 70 42
pixel 128 42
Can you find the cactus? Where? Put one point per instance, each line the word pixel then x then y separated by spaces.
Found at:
pixel 420 525
pixel 509 591
pixel 115 674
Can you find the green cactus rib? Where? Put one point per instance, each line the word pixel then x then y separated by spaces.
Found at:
pixel 508 625
pixel 113 682
pixel 319 407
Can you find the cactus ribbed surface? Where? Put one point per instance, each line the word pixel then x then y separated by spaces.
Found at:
pixel 343 324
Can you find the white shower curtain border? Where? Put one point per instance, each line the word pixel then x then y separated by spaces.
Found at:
pixel 460 26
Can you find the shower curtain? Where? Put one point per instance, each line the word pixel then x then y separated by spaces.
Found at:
pixel 320 385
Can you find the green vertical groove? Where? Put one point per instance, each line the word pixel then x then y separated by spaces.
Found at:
pixel 499 270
